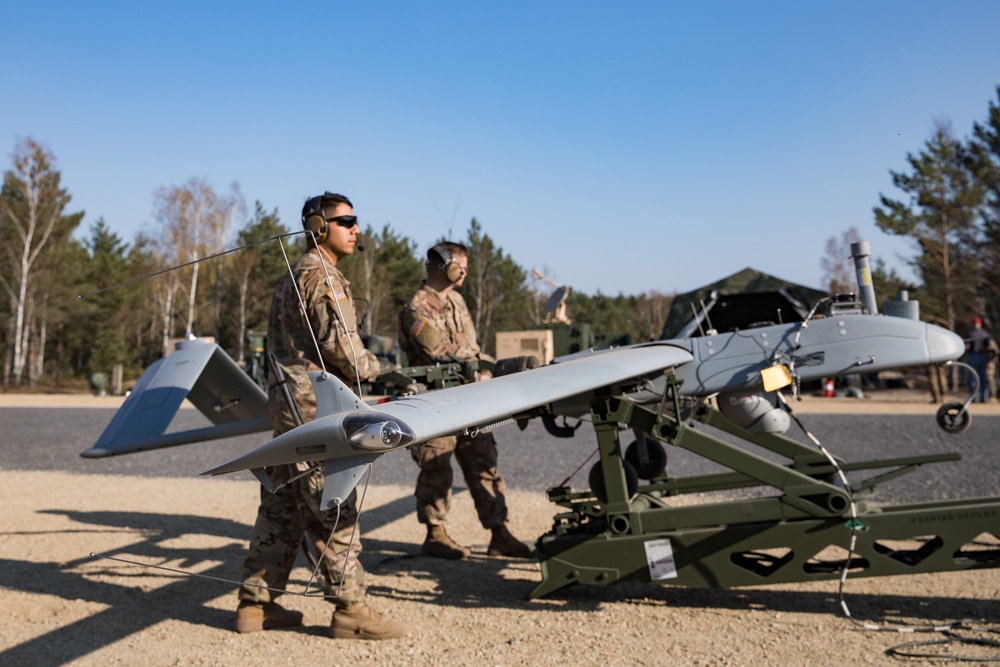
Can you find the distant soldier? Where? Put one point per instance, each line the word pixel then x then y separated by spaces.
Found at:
pixel 938 377
pixel 325 335
pixel 435 326
pixel 979 346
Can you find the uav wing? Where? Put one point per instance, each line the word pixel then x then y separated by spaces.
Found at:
pixel 203 373
pixel 348 435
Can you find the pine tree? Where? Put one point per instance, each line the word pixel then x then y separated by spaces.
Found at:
pixel 983 158
pixel 109 314
pixel 383 278
pixel 495 289
pixel 940 215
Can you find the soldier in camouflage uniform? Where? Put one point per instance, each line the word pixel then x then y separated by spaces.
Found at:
pixel 284 518
pixel 978 350
pixel 435 326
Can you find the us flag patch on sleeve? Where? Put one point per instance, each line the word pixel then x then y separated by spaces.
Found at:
pixel 337 294
pixel 416 327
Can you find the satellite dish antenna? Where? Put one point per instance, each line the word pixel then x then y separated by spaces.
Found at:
pixel 555 306
pixel 556 299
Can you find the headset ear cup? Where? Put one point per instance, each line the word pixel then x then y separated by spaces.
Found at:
pixel 452 271
pixel 318 226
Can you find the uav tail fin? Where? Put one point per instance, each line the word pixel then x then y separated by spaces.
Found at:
pixel 333 396
pixel 340 476
pixel 347 435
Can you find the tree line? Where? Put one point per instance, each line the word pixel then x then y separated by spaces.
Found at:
pixel 135 297
pixel 950 208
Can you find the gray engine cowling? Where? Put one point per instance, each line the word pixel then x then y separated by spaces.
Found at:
pixel 757 412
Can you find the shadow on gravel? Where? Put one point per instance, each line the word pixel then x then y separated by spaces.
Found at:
pixel 138 604
pixel 487 587
pixel 128 608
pixel 132 599
pixel 875 608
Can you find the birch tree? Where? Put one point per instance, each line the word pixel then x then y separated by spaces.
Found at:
pixel 31 215
pixel 837 266
pixel 194 221
pixel 256 271
pixel 651 313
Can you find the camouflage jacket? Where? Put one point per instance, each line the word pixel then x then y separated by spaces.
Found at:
pixel 331 317
pixel 432 326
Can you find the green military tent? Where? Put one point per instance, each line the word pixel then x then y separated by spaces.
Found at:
pixel 742 300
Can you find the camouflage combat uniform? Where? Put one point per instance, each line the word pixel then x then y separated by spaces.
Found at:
pixel 433 326
pixel 283 518
pixel 978 349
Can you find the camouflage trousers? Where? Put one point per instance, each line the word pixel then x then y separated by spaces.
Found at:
pixel 991 377
pixel 477 458
pixel 290 519
pixel 938 377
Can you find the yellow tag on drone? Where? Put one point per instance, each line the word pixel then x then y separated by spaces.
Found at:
pixel 776 377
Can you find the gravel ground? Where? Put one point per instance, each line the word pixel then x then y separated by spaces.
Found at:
pixel 59 605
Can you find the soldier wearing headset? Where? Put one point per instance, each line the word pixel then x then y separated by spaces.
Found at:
pixel 435 326
pixel 324 336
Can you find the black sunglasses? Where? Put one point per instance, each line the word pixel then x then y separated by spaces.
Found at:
pixel 345 221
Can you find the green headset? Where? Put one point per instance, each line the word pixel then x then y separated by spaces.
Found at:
pixel 313 219
pixel 451 268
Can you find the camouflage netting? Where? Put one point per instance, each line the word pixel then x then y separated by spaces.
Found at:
pixel 745 298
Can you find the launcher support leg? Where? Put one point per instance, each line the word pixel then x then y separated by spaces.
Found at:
pixel 612 468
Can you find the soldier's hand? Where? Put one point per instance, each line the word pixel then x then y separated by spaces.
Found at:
pixel 386 366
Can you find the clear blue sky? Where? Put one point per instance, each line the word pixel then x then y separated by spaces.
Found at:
pixel 620 146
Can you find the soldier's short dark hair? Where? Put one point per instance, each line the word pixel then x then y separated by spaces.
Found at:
pixel 450 247
pixel 325 201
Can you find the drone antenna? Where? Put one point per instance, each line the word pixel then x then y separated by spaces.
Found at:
pixel 697 319
pixel 302 303
pixel 708 317
pixel 340 311
pixel 454 213
pixel 181 266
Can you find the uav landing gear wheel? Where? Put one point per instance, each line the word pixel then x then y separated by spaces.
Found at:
pixel 953 417
pixel 600 489
pixel 655 459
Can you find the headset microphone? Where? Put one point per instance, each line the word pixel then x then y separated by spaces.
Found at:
pixel 359 247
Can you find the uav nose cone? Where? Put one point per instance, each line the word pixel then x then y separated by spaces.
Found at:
pixel 943 345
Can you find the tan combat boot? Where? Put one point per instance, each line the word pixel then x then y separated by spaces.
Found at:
pixel 440 545
pixel 504 544
pixel 359 621
pixel 257 616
